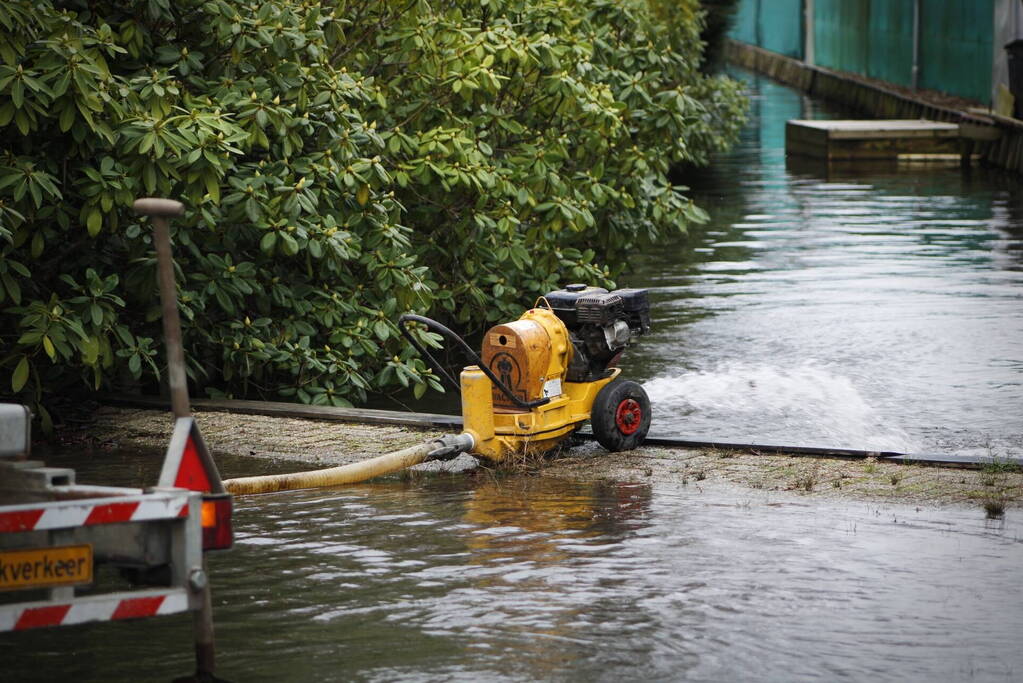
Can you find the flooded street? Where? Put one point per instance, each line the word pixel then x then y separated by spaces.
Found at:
pixel 870 309
pixel 866 311
pixel 525 578
pixel 535 580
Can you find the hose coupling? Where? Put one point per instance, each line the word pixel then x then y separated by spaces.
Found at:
pixel 450 447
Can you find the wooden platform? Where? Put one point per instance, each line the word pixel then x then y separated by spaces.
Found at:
pixel 872 140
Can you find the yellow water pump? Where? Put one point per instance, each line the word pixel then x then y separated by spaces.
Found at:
pixel 541 377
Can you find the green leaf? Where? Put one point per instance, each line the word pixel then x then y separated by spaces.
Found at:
pixel 12 287
pixel 90 351
pixel 45 419
pixel 288 244
pixel 268 242
pixel 20 375
pixel 18 93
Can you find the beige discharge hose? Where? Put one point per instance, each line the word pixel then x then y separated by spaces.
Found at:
pixel 437 449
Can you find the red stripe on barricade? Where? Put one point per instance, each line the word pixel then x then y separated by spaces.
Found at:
pixel 111 513
pixel 38 617
pixel 184 511
pixel 133 608
pixel 22 520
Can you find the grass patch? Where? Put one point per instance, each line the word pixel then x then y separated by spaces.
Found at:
pixel 531 461
pixel 994 508
pixel 997 466
pixel 807 481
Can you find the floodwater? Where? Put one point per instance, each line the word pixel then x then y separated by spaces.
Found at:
pixel 872 309
pixel 469 578
pixel 811 310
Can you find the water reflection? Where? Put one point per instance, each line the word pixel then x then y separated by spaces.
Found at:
pixel 872 307
pixel 522 579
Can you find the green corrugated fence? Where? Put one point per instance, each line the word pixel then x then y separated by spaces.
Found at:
pixel 774 25
pixel 890 34
pixel 956 46
pixel 875 38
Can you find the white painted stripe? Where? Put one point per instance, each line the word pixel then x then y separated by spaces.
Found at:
pixel 97 609
pixel 175 602
pixel 64 516
pixel 158 509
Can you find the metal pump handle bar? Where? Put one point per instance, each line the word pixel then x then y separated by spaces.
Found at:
pixel 446 332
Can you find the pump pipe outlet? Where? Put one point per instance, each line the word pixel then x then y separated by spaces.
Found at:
pixel 443 448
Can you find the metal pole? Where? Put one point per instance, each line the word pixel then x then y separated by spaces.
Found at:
pixel 758 32
pixel 916 45
pixel 202 630
pixel 159 210
pixel 809 46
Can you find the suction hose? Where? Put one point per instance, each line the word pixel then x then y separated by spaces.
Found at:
pixel 438 449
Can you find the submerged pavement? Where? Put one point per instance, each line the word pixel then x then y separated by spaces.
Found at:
pixel 298 444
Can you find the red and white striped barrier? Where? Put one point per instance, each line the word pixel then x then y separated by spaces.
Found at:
pixel 69 514
pixel 143 603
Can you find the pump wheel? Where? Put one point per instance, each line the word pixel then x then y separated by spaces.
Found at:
pixel 621 415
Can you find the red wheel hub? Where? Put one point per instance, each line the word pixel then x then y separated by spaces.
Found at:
pixel 628 416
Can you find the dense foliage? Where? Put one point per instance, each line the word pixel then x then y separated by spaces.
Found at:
pixel 341 163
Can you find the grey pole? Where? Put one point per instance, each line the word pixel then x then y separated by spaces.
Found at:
pixel 161 210
pixel 809 46
pixel 915 74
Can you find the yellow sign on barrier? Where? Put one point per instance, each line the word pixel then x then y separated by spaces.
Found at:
pixel 44 567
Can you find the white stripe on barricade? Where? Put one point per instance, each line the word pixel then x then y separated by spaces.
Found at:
pixel 159 509
pixel 62 517
pixel 111 607
pixel 70 514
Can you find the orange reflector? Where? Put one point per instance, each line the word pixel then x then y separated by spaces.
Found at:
pixel 209 514
pixel 217 531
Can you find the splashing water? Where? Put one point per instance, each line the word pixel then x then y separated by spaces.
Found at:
pixel 767 404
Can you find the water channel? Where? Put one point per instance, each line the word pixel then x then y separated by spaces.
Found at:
pixel 870 309
pixel 789 320
pixel 457 577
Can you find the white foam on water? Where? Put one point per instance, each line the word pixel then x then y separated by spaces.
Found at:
pixel 803 405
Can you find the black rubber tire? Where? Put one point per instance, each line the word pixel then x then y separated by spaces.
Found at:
pixel 615 413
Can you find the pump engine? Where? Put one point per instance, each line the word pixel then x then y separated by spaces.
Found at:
pixel 601 324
